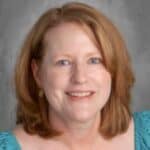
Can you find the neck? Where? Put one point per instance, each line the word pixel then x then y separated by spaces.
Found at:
pixel 77 133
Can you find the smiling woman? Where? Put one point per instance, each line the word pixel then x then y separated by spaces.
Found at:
pixel 73 82
pixel 81 87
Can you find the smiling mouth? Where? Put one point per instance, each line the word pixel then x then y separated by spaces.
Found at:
pixel 80 95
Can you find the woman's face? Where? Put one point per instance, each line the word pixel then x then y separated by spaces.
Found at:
pixel 72 74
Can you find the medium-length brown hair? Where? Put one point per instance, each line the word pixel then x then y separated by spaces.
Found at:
pixel 32 112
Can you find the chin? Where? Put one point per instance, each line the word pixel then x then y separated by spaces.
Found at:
pixel 85 117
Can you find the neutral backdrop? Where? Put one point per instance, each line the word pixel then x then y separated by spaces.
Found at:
pixel 17 16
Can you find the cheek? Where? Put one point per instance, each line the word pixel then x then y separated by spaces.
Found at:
pixel 103 82
pixel 106 82
pixel 101 75
pixel 106 79
pixel 54 85
pixel 55 80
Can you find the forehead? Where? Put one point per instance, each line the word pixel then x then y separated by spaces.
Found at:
pixel 70 35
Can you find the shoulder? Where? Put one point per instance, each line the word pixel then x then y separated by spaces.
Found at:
pixel 142 128
pixel 32 142
pixel 8 141
pixel 142 118
pixel 25 140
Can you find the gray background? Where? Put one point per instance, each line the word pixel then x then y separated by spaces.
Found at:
pixel 17 16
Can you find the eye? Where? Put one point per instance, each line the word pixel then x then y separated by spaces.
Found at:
pixel 95 60
pixel 63 62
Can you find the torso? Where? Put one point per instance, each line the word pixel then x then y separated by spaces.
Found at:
pixel 33 142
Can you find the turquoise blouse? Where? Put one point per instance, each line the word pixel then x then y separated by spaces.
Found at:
pixel 141 125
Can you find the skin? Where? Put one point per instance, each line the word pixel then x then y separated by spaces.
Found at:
pixel 73 62
pixel 76 64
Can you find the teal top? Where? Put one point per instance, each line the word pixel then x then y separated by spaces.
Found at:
pixel 141 126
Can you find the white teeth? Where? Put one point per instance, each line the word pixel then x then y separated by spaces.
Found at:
pixel 79 94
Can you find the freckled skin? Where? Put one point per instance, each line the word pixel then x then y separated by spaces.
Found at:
pixel 69 64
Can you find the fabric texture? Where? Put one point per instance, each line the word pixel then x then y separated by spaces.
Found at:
pixel 8 141
pixel 141 133
pixel 142 130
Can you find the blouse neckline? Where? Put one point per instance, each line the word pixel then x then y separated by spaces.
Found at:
pixel 18 146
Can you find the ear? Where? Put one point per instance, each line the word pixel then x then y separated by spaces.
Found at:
pixel 36 72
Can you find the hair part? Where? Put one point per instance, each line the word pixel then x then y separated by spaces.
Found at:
pixel 32 112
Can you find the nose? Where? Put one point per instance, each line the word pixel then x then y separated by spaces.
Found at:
pixel 79 74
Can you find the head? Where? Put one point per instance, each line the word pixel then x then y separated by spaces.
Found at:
pixel 112 67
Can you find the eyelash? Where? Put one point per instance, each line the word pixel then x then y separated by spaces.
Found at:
pixel 60 62
pixel 98 61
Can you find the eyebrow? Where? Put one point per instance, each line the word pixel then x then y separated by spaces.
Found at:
pixel 94 53
pixel 70 55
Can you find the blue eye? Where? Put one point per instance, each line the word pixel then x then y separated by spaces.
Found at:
pixel 63 62
pixel 95 60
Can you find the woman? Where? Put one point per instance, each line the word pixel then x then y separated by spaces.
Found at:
pixel 73 82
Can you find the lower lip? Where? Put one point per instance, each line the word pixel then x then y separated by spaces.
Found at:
pixel 75 98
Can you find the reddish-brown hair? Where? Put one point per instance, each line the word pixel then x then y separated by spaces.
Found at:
pixel 32 113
